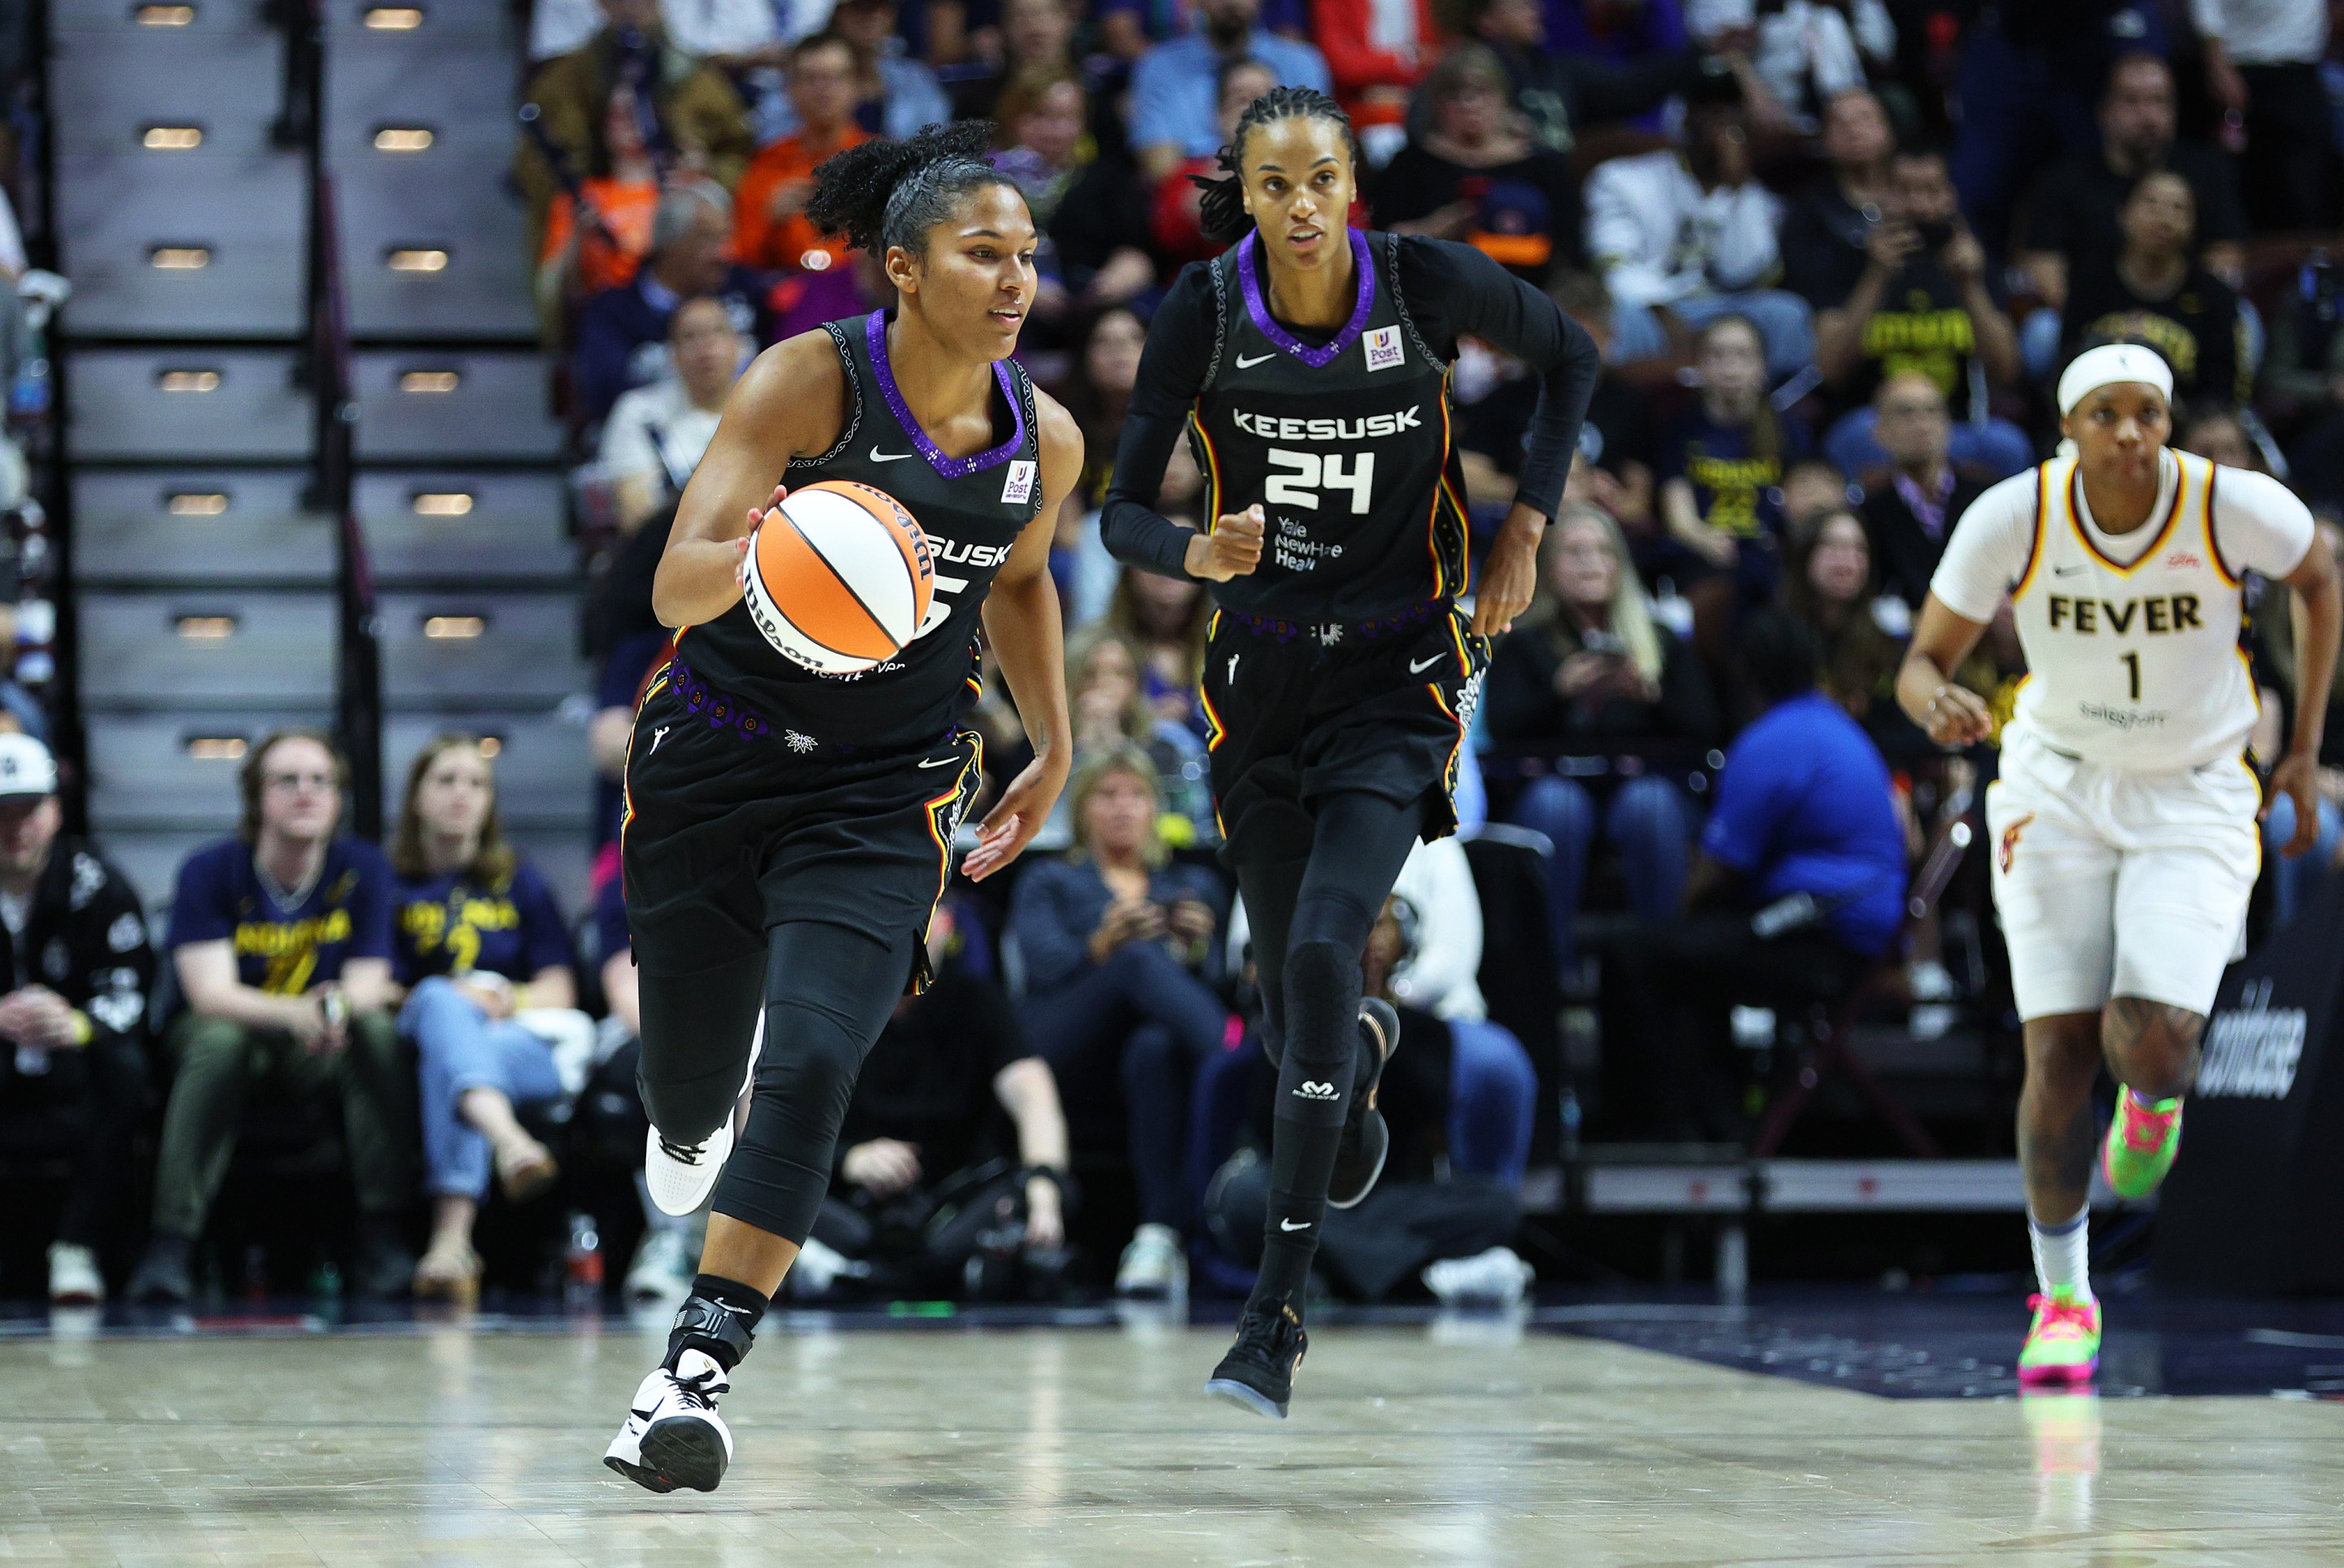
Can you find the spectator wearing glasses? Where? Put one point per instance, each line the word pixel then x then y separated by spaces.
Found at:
pixel 281 937
pixel 1590 670
pixel 73 1014
pixel 1911 502
pixel 622 337
pixel 486 959
pixel 770 227
pixel 655 435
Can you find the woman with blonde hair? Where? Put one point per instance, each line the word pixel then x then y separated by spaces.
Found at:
pixel 481 948
pixel 1107 694
pixel 1120 945
pixel 1591 674
pixel 1166 618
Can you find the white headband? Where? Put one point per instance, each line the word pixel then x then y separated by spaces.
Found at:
pixel 2108 363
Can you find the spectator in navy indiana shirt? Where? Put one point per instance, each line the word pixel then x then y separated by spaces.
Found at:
pixel 484 954
pixel 1802 827
pixel 281 940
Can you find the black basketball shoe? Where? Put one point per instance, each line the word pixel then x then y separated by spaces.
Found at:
pixel 1258 1375
pixel 1360 1158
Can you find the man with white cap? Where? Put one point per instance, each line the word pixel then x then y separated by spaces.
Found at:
pixel 2123 824
pixel 74 972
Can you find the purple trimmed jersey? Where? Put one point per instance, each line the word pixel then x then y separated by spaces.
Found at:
pixel 972 509
pixel 1344 441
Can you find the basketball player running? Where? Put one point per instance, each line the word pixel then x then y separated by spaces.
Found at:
pixel 788 834
pixel 2123 825
pixel 1309 363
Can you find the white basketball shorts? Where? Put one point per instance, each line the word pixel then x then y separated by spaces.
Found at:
pixel 2115 881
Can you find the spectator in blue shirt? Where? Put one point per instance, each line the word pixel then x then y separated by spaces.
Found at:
pixel 491 1000
pixel 281 940
pixel 1175 113
pixel 1798 887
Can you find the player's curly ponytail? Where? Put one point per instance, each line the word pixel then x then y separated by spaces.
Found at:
pixel 884 193
pixel 1221 211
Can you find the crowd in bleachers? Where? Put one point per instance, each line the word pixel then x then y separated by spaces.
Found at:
pixel 1835 252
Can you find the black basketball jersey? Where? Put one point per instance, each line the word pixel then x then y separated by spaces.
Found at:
pixel 1345 447
pixel 972 509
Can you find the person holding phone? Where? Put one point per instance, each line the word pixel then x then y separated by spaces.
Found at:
pixel 1921 305
pixel 1120 954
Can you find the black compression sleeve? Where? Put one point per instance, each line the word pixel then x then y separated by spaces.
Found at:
pixel 1455 291
pixel 1172 370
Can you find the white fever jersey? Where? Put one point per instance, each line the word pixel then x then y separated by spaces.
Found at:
pixel 2132 640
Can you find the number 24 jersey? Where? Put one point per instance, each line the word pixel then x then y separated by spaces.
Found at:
pixel 1344 444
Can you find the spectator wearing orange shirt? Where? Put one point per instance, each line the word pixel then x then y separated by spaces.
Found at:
pixel 622 188
pixel 770 228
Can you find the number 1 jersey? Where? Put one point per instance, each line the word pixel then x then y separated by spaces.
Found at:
pixel 1344 443
pixel 2132 640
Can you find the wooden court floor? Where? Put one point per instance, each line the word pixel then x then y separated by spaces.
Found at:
pixel 1447 1442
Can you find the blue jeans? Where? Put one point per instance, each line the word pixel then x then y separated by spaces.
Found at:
pixel 1650 820
pixel 1996 445
pixel 1492 1095
pixel 1785 323
pixel 461 1049
pixel 2294 881
pixel 1153 1021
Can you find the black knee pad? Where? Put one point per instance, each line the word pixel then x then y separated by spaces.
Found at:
pixel 1322 980
pixel 809 1056
pixel 1333 916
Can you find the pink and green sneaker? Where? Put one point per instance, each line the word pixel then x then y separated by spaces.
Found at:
pixel 2141 1143
pixel 2062 1344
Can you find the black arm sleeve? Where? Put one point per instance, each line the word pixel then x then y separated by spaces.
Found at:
pixel 1454 291
pixel 1172 370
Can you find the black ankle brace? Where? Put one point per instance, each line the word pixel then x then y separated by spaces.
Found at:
pixel 712 1328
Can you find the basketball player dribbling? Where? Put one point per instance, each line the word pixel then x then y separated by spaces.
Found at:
pixel 2123 826
pixel 788 834
pixel 1310 363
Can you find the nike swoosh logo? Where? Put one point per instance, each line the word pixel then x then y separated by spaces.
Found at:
pixel 879 457
pixel 941 762
pixel 1421 665
pixel 1246 364
pixel 1291 1225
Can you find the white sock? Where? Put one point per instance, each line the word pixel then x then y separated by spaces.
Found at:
pixel 2063 1254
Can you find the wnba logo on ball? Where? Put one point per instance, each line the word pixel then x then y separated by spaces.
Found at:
pixel 2253 1050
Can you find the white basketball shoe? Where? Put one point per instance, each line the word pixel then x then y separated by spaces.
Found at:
pixel 673 1436
pixel 681 1176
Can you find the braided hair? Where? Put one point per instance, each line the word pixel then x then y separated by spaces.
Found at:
pixel 1221 211
pixel 883 193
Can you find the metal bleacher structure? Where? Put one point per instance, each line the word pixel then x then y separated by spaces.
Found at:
pixel 312 476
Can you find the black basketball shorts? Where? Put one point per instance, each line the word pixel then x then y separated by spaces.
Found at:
pixel 732 828
pixel 1300 712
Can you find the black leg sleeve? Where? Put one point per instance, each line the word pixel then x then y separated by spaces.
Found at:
pixel 829 990
pixel 1356 850
pixel 696 1032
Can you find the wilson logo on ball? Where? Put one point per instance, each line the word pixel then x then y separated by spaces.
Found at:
pixel 841 578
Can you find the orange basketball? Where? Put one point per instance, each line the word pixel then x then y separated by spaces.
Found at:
pixel 840 576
